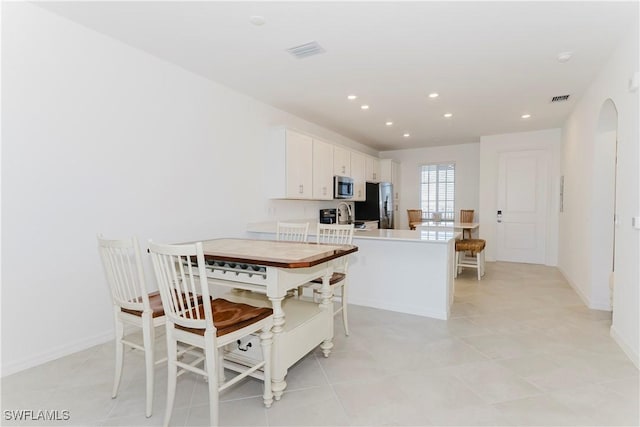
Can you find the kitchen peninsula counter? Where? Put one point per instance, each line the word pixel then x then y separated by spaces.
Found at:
pixel 442 236
pixel 408 271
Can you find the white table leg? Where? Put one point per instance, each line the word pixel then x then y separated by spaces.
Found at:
pixel 326 303
pixel 278 384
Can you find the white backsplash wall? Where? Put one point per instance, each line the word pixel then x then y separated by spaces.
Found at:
pixel 282 210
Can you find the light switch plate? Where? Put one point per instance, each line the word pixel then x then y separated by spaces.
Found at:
pixel 635 222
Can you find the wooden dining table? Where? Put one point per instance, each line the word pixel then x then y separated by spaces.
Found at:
pixel 267 270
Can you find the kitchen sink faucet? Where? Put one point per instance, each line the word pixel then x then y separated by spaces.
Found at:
pixel 340 209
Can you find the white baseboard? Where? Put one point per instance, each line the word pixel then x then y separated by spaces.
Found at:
pixel 575 287
pixel 55 353
pixel 625 347
pixel 601 305
pixel 594 305
pixel 418 311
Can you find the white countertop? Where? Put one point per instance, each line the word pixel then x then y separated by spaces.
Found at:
pixel 418 236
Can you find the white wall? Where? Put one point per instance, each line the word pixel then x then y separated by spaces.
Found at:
pixel 579 159
pixel 466 158
pixel 490 149
pixel 100 137
pixel 602 212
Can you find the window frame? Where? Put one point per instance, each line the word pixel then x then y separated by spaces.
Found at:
pixel 446 215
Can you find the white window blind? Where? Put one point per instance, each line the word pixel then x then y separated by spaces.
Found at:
pixel 437 190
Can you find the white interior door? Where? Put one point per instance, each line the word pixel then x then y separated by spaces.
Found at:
pixel 522 206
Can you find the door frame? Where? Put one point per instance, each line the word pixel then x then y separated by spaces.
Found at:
pixel 542 191
pixel 490 148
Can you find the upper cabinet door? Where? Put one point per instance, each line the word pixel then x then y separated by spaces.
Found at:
pixel 322 170
pixel 288 158
pixel 341 161
pixel 372 169
pixel 299 156
pixel 358 168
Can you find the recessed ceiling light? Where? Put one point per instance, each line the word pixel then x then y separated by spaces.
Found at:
pixel 389 123
pixel 447 115
pixel 351 97
pixel 257 20
pixel 406 135
pixel 434 95
pixel 364 107
pixel 564 56
pixel 525 116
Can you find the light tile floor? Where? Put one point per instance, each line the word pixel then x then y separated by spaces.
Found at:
pixel 519 349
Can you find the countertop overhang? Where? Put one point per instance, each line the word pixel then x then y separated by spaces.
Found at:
pixel 440 235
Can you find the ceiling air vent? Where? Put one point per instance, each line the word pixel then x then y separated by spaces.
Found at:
pixel 560 98
pixel 306 50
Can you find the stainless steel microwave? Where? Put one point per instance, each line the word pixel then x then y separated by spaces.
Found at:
pixel 342 187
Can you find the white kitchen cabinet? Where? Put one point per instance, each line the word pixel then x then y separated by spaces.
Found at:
pixel 372 169
pixel 386 170
pixel 322 170
pixel 341 161
pixel 289 168
pixel 358 171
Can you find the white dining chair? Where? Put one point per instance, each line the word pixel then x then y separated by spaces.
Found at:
pixel 132 305
pixel 292 231
pixel 337 234
pixel 196 319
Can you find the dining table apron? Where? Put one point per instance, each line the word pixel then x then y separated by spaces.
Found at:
pixel 272 268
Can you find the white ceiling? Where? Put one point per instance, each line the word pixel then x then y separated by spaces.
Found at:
pixel 490 62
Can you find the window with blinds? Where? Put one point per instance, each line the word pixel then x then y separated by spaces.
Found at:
pixel 437 191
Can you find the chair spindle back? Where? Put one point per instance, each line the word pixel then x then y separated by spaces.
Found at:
pixel 182 281
pixel 123 267
pixel 466 215
pixel 293 231
pixel 338 234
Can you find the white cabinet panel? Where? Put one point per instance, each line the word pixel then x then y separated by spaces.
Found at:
pixel 322 170
pixel 289 165
pixel 372 170
pixel 358 168
pixel 341 161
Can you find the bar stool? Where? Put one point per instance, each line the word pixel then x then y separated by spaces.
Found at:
pixel 476 260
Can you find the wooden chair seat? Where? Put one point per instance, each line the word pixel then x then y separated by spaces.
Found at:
pixel 155 303
pixel 335 278
pixel 230 316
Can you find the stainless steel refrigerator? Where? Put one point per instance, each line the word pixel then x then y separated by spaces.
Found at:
pixel 378 206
